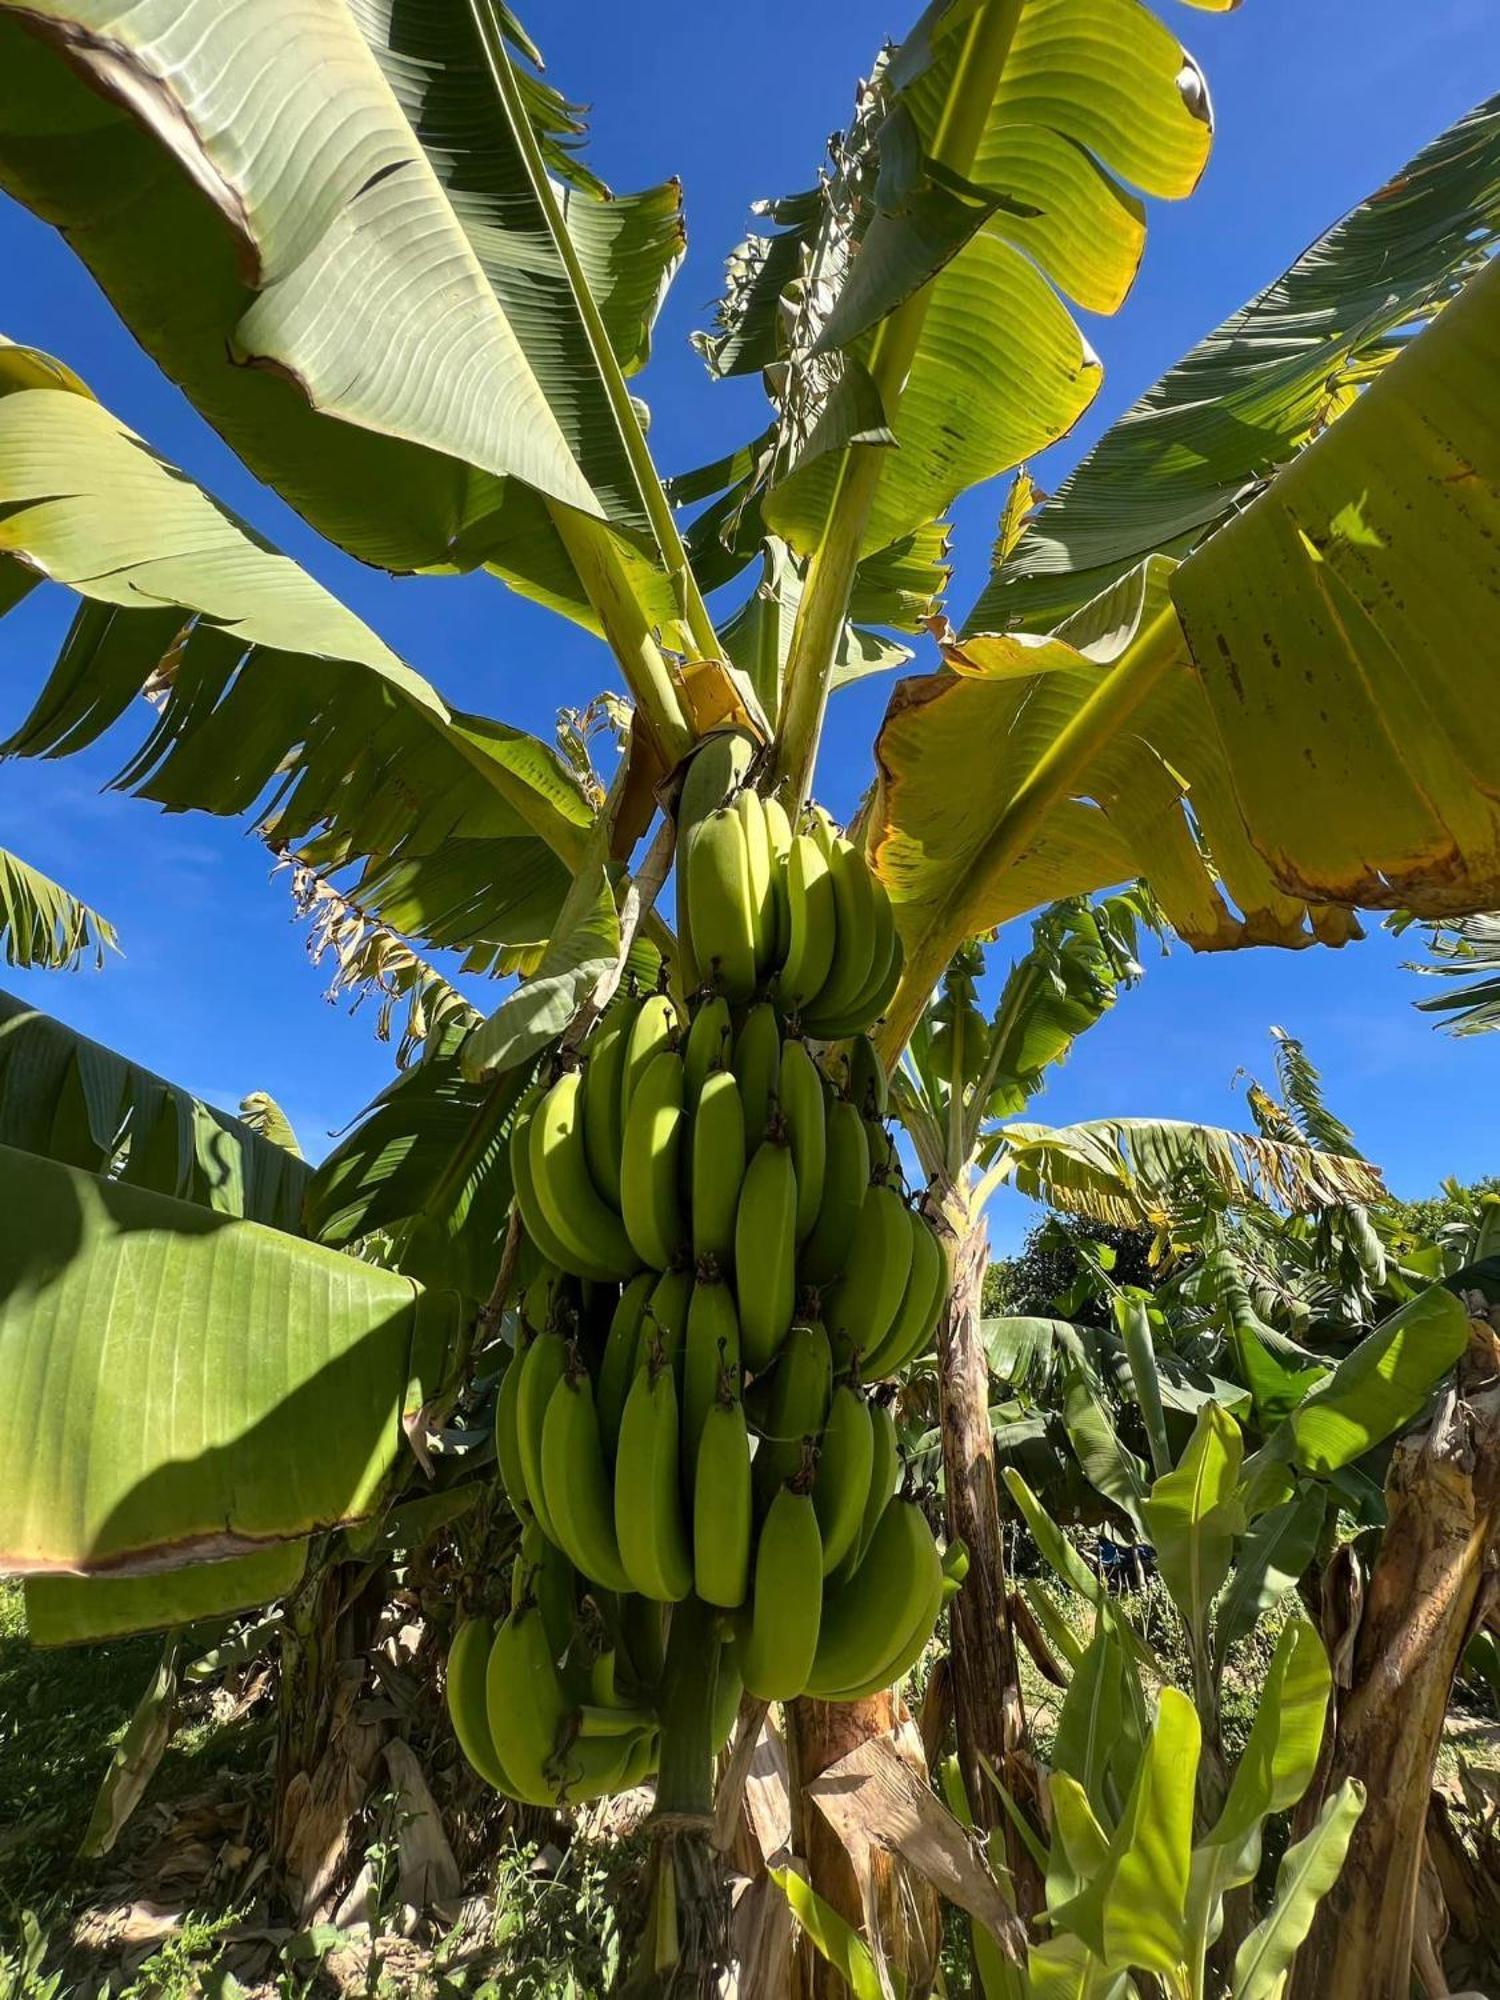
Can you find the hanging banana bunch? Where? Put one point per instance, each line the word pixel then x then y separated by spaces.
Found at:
pixel 720 1259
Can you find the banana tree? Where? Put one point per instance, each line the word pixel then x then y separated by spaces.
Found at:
pixel 366 247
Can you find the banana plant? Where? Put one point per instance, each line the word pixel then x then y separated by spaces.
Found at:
pixel 44 924
pixel 368 250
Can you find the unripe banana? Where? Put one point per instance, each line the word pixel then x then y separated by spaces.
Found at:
pixel 860 1308
pixel 721 904
pixel 779 1641
pixel 542 1575
pixel 727 1691
pixel 885 1161
pixel 869 1089
pixel 651 1164
pixel 542 1368
pixel 621 1353
pixel 885 1473
pixel 841 1487
pixel 851 1015
pixel 709 1043
pixel 793 1408
pixel 643 1640
pixel 872 1617
pixel 604 1096
pixel 718 1170
pixel 801 1105
pixel 778 829
pixel 576 1480
pixel 846 1182
pixel 544 1298
pixel 812 923
pixel 906 1654
pixel 508 1438
pixel 722 1507
pixel 578 1215
pixel 854 902
pixel 652 1031
pixel 765 1251
pixel 926 1289
pixel 468 1659
pixel 537 1226
pixel 664 1332
pixel 757 1069
pixel 761 863
pixel 824 829
pixel 867 1010
pixel 648 1500
pixel 525 1704
pixel 712 1356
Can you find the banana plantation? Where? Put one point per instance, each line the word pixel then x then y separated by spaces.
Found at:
pixel 609 1521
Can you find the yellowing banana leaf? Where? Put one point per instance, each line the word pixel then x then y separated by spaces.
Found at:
pixel 1136 1171
pixel 1247 398
pixel 1300 743
pixel 82 1610
pixel 334 227
pixel 42 923
pixel 70 1099
pixel 270 695
pixel 181 1386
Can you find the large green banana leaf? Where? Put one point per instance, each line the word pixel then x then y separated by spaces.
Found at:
pixel 333 225
pixel 82 1610
pixel 1304 735
pixel 1246 399
pixel 42 923
pixel 270 693
pixel 181 1386
pixel 72 1100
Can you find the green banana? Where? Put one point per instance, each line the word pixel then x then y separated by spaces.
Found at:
pixel 869 1089
pixel 525 1703
pixel 872 1617
pixel 596 1722
pixel 721 903
pixel 468 1658
pixel 779 1641
pixel 537 1226
pixel 541 1574
pixel 885 1161
pixel 868 1008
pixel 854 902
pixel 761 865
pixel 925 1295
pixel 508 1438
pixel 812 923
pixel 576 1481
pixel 831 1013
pixel 651 1164
pixel 665 1327
pixel 846 1182
pixel 542 1368
pixel 545 1298
pixel 757 1068
pixel 823 829
pixel 712 1354
pixel 643 1640
pixel 648 1500
pixel 793 1407
pixel 841 1486
pixel 860 1308
pixel 722 1506
pixel 652 1032
pixel 801 1105
pixel 955 1567
pixel 778 829
pixel 718 1168
pixel 709 1043
pixel 765 1251
pixel 578 1215
pixel 906 1654
pixel 621 1352
pixel 604 1096
pixel 727 1691
pixel 885 1473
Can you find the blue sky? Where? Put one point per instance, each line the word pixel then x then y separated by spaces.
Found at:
pixel 1316 105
